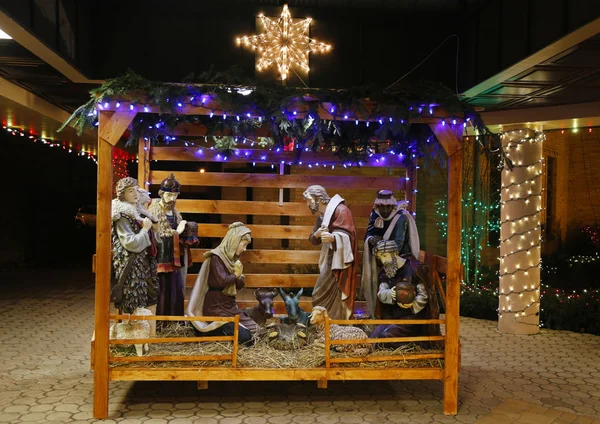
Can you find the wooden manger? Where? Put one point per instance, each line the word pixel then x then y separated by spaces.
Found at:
pixel 260 261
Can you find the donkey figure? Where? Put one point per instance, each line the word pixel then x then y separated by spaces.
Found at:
pixel 264 310
pixel 295 313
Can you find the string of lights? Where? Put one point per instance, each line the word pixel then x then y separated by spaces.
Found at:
pixel 524 218
pixel 269 156
pixel 520 292
pixel 528 181
pixel 204 102
pixel 524 270
pixel 120 158
pixel 64 145
pixel 519 297
pixel 528 251
pixel 526 198
pixel 522 234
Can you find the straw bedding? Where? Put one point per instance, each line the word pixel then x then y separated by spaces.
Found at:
pixel 262 355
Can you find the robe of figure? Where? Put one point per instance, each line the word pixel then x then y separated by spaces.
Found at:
pixel 172 262
pixel 391 310
pixel 133 243
pixel 336 285
pixel 217 274
pixel 400 227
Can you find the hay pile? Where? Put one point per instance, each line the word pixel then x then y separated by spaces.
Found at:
pixel 261 354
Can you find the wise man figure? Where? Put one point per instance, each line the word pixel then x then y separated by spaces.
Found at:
pixel 402 297
pixel 134 250
pixel 172 253
pixel 335 230
pixel 221 276
pixel 389 220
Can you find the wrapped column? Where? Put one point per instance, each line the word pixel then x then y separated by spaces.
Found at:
pixel 520 233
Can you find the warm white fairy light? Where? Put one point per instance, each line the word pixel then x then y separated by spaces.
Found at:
pixel 520 241
pixel 284 43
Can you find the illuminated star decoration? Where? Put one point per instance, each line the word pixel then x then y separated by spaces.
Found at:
pixel 283 42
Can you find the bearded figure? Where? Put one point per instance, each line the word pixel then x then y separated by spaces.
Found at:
pixel 336 232
pixel 172 255
pixel 220 277
pixel 402 297
pixel 389 221
pixel 134 250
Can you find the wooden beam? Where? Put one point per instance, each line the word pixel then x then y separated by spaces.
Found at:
pixel 452 352
pixel 289 232
pixel 269 280
pixel 142 163
pixel 235 207
pixel 548 117
pixel 212 107
pixel 103 272
pixel 269 256
pixel 447 138
pixel 435 262
pixel 245 154
pixel 271 374
pixel 170 358
pixel 258 256
pixel 115 128
pixel 408 357
pixel 225 179
pixel 28 40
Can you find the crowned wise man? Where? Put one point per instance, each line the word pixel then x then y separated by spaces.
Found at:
pixel 389 220
pixel 402 297
pixel 133 250
pixel 335 230
pixel 172 253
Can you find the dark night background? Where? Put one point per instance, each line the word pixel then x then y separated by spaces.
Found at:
pixel 43 188
pixel 374 42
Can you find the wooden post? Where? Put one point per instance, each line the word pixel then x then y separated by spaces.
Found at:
pixel 103 271
pixel 327 345
pixel 451 355
pixel 236 334
pixel 142 154
pixel 453 147
pixel 111 126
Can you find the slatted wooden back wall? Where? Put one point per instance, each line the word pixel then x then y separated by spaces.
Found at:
pixel 281 255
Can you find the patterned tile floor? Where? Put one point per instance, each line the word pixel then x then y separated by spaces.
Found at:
pixel 47 321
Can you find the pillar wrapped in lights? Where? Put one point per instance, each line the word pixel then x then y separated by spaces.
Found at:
pixel 520 233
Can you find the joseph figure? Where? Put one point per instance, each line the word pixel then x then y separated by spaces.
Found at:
pixel 335 230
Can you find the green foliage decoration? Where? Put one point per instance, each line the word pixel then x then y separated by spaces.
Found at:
pixel 272 108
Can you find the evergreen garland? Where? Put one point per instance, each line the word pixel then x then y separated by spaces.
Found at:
pixel 275 104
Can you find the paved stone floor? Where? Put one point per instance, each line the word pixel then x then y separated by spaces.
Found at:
pixel 47 321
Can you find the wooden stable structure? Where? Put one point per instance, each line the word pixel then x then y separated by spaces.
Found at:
pixel 113 123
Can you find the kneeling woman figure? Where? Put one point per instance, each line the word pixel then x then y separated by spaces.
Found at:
pixel 215 288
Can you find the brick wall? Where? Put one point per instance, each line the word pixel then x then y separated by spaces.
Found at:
pixel 577 194
pixel 557 147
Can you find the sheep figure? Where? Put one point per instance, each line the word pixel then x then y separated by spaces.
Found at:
pixel 339 332
pixel 133 329
pixel 264 310
pixel 295 312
